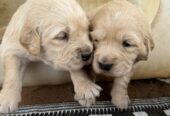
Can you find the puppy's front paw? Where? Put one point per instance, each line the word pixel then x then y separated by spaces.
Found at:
pixel 8 102
pixel 86 94
pixel 121 101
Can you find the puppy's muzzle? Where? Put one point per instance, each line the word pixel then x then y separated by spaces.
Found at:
pixel 106 63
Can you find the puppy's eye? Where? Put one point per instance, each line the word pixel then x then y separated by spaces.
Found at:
pixel 62 36
pixel 91 28
pixel 90 37
pixel 95 40
pixel 126 44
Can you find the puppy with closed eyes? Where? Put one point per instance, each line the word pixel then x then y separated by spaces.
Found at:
pixel 54 32
pixel 122 37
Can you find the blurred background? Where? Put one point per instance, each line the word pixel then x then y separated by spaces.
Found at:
pixel 7 8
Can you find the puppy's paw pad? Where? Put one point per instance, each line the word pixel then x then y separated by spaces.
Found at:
pixel 87 93
pixel 8 104
pixel 121 102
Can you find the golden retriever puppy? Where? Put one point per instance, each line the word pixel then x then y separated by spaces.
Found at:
pixel 122 37
pixel 54 32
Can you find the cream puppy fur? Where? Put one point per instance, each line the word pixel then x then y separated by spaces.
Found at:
pixel 122 37
pixel 54 32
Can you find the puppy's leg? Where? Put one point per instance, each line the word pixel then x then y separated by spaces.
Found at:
pixel 119 92
pixel 85 90
pixel 10 94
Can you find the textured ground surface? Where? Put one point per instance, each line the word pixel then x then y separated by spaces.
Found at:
pixel 65 93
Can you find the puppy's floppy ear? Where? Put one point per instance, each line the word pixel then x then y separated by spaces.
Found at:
pixel 30 40
pixel 146 48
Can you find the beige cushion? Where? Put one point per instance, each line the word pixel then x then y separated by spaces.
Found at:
pixel 150 7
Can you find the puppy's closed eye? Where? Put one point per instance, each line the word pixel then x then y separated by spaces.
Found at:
pixel 128 44
pixel 97 35
pixel 95 40
pixel 61 36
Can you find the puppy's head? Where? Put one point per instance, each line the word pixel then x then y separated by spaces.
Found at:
pixel 122 36
pixel 56 31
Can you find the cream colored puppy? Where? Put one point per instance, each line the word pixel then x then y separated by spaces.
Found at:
pixel 122 37
pixel 54 32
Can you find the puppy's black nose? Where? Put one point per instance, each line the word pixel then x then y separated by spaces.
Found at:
pixel 105 67
pixel 86 56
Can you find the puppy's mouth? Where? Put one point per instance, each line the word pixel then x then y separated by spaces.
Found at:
pixel 99 71
pixel 77 63
pixel 116 70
